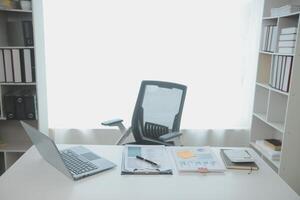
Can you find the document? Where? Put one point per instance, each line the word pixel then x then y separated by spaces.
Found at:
pixel 195 159
pixel 156 160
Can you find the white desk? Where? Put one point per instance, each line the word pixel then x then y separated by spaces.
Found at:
pixel 32 178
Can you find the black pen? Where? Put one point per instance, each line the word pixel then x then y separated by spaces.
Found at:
pixel 148 161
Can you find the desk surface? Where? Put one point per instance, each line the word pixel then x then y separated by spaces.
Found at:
pixel 33 178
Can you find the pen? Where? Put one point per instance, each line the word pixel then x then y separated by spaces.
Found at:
pixel 148 161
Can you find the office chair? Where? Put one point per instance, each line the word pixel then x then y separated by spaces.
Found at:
pixel 157 114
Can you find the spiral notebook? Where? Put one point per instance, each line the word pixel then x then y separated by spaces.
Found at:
pixel 156 153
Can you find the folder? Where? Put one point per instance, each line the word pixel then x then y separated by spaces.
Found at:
pixel 16 65
pixel 8 65
pixel 2 71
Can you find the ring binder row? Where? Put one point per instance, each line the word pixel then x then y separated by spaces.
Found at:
pixel 20 105
pixel 280 72
pixel 17 65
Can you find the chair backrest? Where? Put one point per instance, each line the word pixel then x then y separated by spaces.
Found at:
pixel 157 111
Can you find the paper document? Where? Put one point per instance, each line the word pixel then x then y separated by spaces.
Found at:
pixel 157 154
pixel 195 158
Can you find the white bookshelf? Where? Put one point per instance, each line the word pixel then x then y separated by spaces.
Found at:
pixel 11 132
pixel 276 113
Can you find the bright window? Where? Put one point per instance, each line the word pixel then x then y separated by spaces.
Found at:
pixel 97 53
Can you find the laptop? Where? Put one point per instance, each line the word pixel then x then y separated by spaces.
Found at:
pixel 76 162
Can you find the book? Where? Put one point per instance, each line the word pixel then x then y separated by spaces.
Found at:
pixel 286 50
pixel 238 155
pixel 274 144
pixel 290 30
pixel 286 43
pixel 197 159
pixel 8 65
pixel 16 65
pixel 242 166
pixel 288 37
pixel 287 74
pixel 2 70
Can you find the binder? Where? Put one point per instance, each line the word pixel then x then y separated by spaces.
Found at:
pixel 9 105
pixel 270 38
pixel 279 66
pixel 27 65
pixel 287 74
pixel 28 33
pixel 8 65
pixel 16 65
pixel 15 36
pixel 2 71
pixel 274 70
pixel 274 39
pixel 30 105
pixel 282 72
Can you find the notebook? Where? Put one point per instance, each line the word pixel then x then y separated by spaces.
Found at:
pixel 238 165
pixel 155 153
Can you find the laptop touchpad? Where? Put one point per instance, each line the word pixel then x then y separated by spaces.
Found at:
pixel 90 156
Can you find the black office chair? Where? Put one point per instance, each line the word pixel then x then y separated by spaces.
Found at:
pixel 157 114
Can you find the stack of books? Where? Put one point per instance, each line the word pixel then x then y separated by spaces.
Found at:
pixel 281 72
pixel 284 10
pixel 270 147
pixel 269 38
pixel 287 40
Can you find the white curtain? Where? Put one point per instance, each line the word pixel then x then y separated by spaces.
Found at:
pixel 97 53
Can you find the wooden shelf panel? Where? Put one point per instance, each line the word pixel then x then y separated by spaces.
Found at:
pixel 263 117
pixel 276 163
pixel 15 147
pixel 15 10
pixel 280 16
pixel 266 86
pixel 16 47
pixel 275 53
pixel 18 83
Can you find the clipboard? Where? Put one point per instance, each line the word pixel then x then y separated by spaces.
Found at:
pixel 145 170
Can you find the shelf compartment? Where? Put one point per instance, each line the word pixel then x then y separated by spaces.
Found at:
pixel 277 110
pixel 261 152
pixel 11 158
pixel 266 86
pixel 261 100
pixel 263 117
pixel 264 68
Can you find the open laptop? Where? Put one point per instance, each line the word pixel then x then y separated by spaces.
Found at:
pixel 76 162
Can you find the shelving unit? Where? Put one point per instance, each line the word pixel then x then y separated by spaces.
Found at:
pixel 11 132
pixel 276 113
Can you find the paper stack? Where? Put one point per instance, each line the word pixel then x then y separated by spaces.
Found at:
pixel 287 40
pixel 284 10
pixel 270 153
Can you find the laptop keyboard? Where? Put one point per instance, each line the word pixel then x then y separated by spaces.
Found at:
pixel 75 164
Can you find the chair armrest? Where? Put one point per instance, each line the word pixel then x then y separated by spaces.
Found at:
pixel 113 122
pixel 169 136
